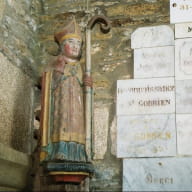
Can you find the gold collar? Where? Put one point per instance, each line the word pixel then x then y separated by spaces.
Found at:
pixel 72 63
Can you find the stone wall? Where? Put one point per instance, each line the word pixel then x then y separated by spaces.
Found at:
pixel 19 40
pixel 112 59
pixel 19 59
pixel 15 106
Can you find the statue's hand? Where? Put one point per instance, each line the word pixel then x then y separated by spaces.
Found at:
pixel 61 60
pixel 60 64
pixel 87 80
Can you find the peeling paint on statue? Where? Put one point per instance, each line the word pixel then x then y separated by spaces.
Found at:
pixel 63 128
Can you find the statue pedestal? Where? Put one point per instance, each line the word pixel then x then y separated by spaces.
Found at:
pixel 68 172
pixel 68 177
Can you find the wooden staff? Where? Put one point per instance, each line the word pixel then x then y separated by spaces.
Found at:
pixel 105 28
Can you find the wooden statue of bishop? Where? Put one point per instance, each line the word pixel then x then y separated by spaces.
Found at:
pixel 63 132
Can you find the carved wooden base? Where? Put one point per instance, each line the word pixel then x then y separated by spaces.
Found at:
pixel 74 167
pixel 68 172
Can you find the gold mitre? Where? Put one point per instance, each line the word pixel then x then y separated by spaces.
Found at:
pixel 71 30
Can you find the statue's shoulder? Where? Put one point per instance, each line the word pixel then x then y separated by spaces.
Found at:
pixel 56 63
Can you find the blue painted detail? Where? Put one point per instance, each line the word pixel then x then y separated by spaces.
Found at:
pixel 69 151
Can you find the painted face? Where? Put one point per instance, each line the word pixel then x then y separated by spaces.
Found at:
pixel 72 48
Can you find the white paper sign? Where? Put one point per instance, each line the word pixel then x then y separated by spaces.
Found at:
pixel 180 11
pixel 145 96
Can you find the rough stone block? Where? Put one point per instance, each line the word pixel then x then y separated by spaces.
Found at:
pixel 15 106
pixel 132 10
pixel 101 122
pixel 2 7
pixel 14 168
pixel 113 132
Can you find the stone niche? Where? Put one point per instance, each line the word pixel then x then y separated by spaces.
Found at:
pixel 15 107
pixel 15 126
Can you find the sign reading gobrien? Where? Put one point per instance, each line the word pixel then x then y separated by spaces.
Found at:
pixel 145 96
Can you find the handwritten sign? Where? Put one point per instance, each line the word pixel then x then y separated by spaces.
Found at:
pixel 180 11
pixel 157 174
pixel 146 136
pixel 145 96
